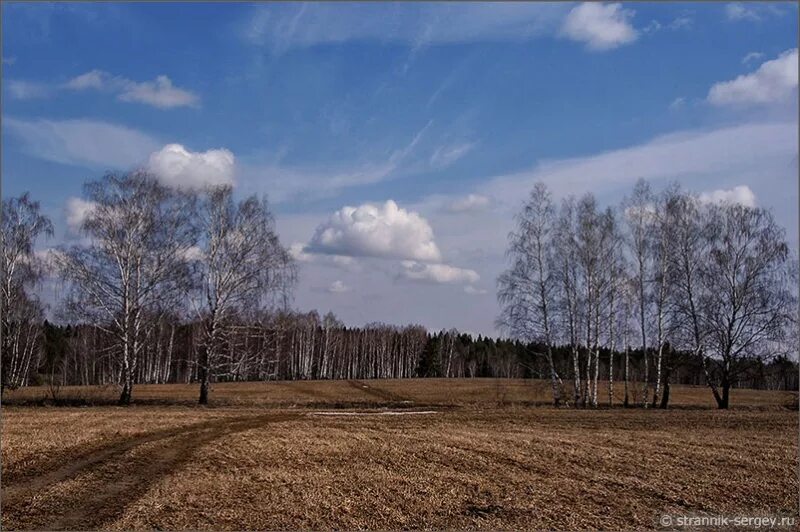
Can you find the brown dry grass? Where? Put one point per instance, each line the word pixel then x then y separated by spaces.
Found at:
pixel 369 393
pixel 476 464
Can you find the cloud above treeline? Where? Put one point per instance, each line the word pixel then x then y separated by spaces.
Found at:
pixel 713 155
pixel 437 273
pixel 110 146
pixel 775 81
pixel 376 230
pixel 178 167
pixel 76 211
pixel 740 194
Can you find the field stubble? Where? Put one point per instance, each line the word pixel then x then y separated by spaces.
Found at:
pixel 484 459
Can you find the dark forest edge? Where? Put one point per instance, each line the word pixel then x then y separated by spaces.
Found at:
pixel 173 286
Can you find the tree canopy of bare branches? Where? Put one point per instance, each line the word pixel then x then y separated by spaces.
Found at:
pixel 241 265
pixel 133 266
pixel 22 225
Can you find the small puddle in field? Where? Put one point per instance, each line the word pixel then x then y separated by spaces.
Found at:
pixel 390 413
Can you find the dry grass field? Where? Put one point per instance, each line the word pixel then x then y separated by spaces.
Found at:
pixel 389 454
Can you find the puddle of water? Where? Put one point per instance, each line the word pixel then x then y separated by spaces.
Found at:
pixel 417 413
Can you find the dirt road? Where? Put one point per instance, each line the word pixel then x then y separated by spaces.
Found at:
pixel 92 490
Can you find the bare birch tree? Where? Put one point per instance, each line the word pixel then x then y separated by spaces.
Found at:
pixel 525 290
pixel 241 264
pixel 638 213
pixel 664 212
pixel 134 266
pixel 567 275
pixel 748 298
pixel 22 225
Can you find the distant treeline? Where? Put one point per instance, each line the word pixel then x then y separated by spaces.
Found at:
pixel 296 346
pixel 169 285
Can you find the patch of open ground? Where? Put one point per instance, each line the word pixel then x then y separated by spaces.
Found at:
pixel 382 392
pixel 476 462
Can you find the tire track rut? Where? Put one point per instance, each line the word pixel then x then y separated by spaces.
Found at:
pixel 378 393
pixel 116 476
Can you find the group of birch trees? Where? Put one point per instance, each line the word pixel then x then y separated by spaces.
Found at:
pixel 283 345
pixel 147 251
pixel 165 286
pixel 664 273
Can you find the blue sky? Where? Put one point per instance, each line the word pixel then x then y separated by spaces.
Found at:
pixel 429 121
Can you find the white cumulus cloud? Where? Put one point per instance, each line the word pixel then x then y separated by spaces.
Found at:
pixel 774 81
pixel 741 195
pixel 76 211
pixel 383 230
pixel 298 252
pixel 437 273
pixel 600 26
pixel 176 166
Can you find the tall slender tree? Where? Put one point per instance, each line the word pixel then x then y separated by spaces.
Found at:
pixel 525 289
pixel 638 211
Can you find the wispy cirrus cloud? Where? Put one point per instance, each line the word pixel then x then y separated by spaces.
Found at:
pixel 82 142
pixel 752 11
pixel 437 273
pixel 468 203
pixel 159 93
pixel 696 155
pixel 26 90
pixel 282 27
pixel 444 156
pixel 752 56
pixel 286 182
